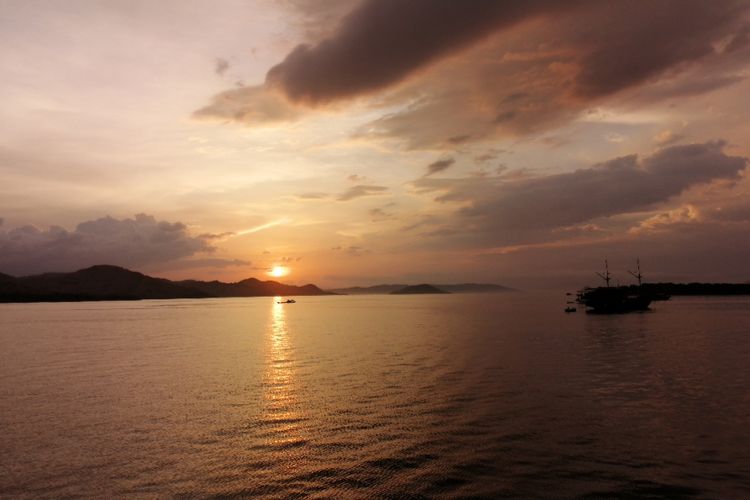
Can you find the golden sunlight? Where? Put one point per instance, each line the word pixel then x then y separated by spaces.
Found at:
pixel 278 271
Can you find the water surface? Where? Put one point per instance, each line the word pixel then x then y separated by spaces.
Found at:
pixel 362 396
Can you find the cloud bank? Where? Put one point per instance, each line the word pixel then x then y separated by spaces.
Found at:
pixel 525 66
pixel 383 41
pixel 506 211
pixel 136 242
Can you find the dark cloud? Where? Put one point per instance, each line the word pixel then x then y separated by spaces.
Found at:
pixel 616 44
pixel 539 64
pixel 507 211
pixel 439 166
pixel 383 41
pixel 627 43
pixel 136 242
pixel 360 191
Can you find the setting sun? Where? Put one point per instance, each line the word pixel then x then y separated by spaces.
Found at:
pixel 278 271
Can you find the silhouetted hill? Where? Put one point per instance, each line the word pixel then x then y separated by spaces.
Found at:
pixel 94 283
pixel 417 289
pixel 354 290
pixel 105 282
pixel 251 287
pixel 10 286
pixel 475 288
pixel 454 288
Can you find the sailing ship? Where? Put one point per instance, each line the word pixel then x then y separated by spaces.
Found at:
pixel 618 299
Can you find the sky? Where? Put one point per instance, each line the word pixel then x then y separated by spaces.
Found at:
pixel 374 141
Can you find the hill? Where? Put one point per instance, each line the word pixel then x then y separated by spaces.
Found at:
pixel 251 287
pixel 104 282
pixel 357 290
pixel 475 288
pixel 417 289
pixel 452 288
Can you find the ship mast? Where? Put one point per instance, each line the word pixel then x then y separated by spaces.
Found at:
pixel 637 275
pixel 606 276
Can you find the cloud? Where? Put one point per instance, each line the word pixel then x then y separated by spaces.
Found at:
pixel 525 66
pixel 136 242
pixel 380 214
pixel 383 41
pixel 628 45
pixel 214 263
pixel 255 105
pixel 351 193
pixel 221 66
pixel 685 214
pixel 488 155
pixel 459 139
pixel 312 196
pixel 360 191
pixel 667 137
pixel 506 210
pixel 261 227
pixel 439 166
pixel 217 236
pixel 353 251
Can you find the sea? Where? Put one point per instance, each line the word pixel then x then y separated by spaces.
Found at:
pixel 422 396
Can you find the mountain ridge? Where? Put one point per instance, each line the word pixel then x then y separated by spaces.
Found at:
pixel 423 288
pixel 451 288
pixel 107 282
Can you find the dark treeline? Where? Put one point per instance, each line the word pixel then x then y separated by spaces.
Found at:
pixel 694 288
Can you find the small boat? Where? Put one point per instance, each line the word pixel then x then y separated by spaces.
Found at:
pixel 287 301
pixel 570 309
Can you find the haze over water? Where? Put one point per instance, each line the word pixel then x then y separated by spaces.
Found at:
pixel 365 396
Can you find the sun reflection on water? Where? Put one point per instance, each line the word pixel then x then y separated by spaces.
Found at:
pixel 282 418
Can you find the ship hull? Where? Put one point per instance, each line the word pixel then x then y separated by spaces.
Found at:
pixel 613 301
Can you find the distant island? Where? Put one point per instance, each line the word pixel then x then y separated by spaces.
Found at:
pixel 417 289
pixel 104 282
pixel 454 288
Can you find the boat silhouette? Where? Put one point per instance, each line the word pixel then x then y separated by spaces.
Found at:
pixel 618 299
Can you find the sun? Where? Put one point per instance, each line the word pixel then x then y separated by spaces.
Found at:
pixel 278 271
